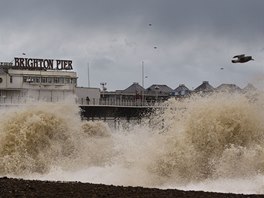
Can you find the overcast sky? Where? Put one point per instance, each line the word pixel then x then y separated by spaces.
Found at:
pixel 188 41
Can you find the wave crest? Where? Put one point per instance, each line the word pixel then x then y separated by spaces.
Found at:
pixel 214 136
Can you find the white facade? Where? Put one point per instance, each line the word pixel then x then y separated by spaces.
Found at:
pixel 40 85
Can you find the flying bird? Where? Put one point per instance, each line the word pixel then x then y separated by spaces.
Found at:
pixel 242 58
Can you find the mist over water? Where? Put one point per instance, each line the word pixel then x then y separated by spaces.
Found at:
pixel 211 143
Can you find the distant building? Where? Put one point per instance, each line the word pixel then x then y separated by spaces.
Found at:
pixel 230 88
pixel 134 88
pixel 157 91
pixel 249 88
pixel 136 94
pixel 251 92
pixel 134 91
pixel 181 91
pixel 132 95
pixel 205 87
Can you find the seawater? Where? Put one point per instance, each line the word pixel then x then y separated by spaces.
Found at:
pixel 210 143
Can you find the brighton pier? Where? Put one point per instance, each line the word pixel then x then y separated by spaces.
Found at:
pixel 30 80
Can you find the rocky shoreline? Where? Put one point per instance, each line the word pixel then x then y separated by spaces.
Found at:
pixel 11 187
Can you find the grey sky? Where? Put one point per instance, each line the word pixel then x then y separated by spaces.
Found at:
pixel 194 39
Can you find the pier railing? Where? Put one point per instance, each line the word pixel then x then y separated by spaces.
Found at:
pixel 121 103
pixel 83 102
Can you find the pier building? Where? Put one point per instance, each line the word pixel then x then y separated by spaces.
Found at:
pixel 36 79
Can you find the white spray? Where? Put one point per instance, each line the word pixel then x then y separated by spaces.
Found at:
pixel 200 143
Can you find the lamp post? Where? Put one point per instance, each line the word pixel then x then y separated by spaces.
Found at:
pixel 103 87
pixel 156 89
pixel 143 83
pixel 143 79
pixel 88 72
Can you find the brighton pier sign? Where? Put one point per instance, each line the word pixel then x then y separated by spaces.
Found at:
pixel 42 64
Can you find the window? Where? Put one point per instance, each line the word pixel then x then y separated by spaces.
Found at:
pixel 32 79
pixel 67 80
pixel 182 92
pixel 1 80
pixel 56 80
pixel 11 79
pixel 61 80
pixel 49 80
pixel 43 79
pixel 73 80
pixel 37 79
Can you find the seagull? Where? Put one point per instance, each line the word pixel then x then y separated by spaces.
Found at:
pixel 242 58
